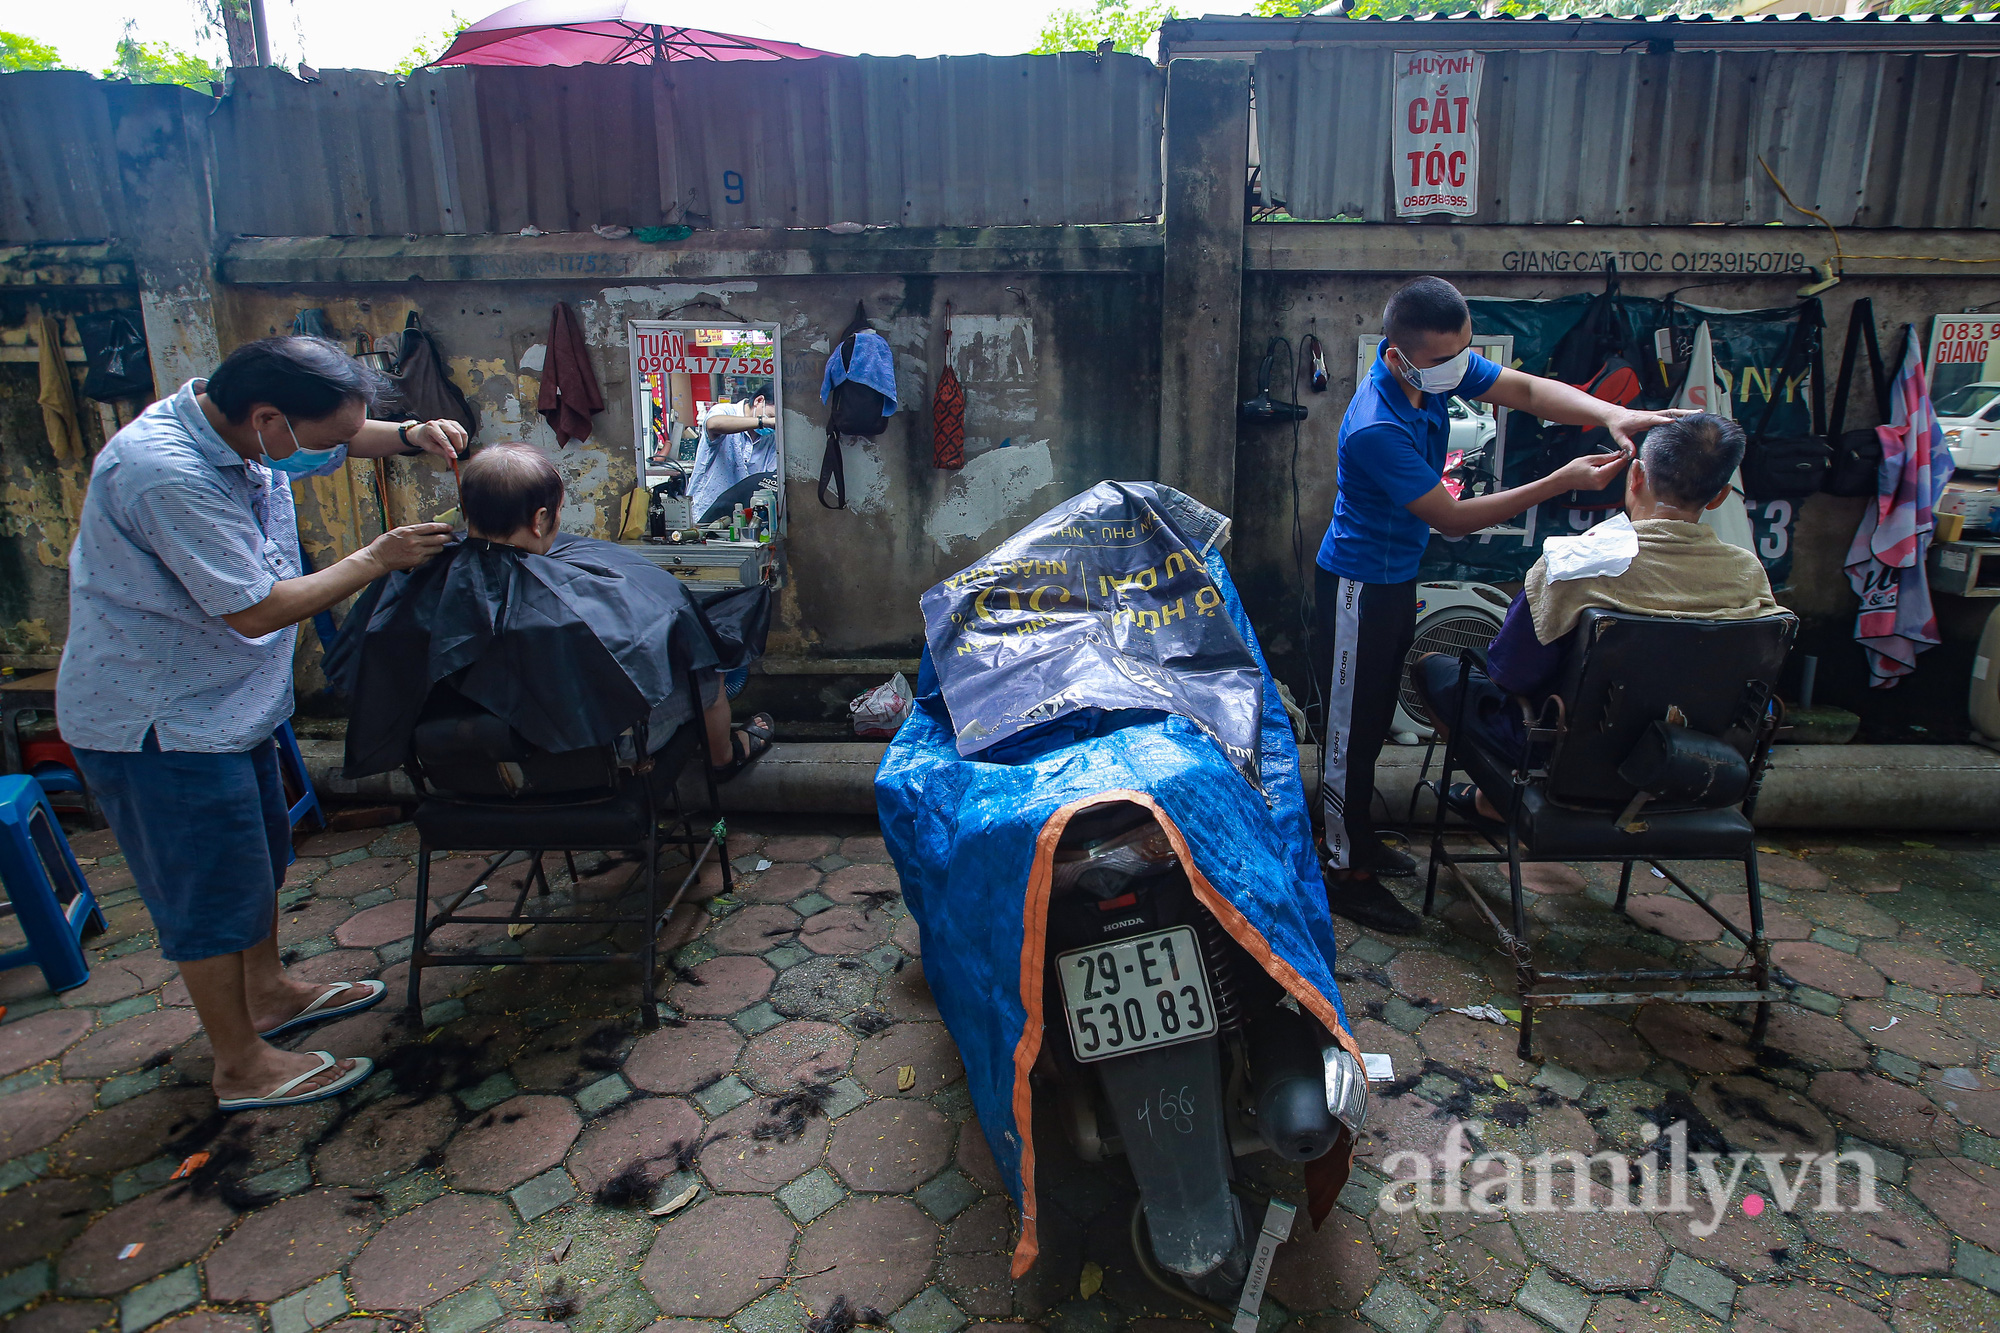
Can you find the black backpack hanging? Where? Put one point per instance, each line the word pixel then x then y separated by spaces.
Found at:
pixel 115 362
pixel 1791 467
pixel 1599 357
pixel 1857 454
pixel 853 408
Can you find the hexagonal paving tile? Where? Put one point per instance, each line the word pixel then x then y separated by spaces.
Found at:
pixel 799 847
pixel 54 1316
pixel 1942 1305
pixel 861 884
pixel 723 985
pixel 1673 916
pixel 132 1132
pixel 1475 1047
pixel 797 1052
pixel 646 1129
pixel 430 1252
pixel 1962 1194
pixel 566 1055
pixel 1802 1309
pixel 1789 872
pixel 1877 1110
pixel 684 1058
pixel 1600 1250
pixel 41 1218
pixel 1922 967
pixel 519 1138
pixel 29 1041
pixel 376 926
pixel 874 1251
pixel 384 1139
pixel 173 1225
pixel 825 988
pixel 1827 969
pixel 718 1256
pixel 844 930
pixel 925 1048
pixel 38 1117
pixel 890 1146
pixel 1755 1116
pixel 130 1044
pixel 1897 1239
pixel 1779 924
pixel 1695 1037
pixel 1401 1123
pixel 1813 1040
pixel 1589 1044
pixel 288 1245
pixel 359 877
pixel 1751 1248
pixel 783 882
pixel 739 1162
pixel 1909 1032
pixel 1422 975
pixel 905 993
pixel 1333 1268
pixel 755 929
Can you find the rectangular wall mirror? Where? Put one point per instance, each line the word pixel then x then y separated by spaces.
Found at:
pixel 708 424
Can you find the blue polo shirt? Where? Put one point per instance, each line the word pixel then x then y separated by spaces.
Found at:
pixel 1390 455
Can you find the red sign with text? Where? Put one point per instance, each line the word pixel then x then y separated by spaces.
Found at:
pixel 1435 153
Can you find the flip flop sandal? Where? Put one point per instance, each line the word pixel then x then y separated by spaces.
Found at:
pixel 323 1006
pixel 1462 799
pixel 363 1067
pixel 758 732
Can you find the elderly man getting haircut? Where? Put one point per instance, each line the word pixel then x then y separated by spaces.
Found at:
pixel 1682 569
pixel 573 641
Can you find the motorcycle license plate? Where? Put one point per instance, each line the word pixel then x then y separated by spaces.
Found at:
pixel 1134 994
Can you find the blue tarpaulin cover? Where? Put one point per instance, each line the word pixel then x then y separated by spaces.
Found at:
pixel 973 841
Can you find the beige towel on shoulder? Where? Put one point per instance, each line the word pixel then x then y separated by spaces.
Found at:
pixel 1682 569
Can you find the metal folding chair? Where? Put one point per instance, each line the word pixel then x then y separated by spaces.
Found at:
pixel 1566 800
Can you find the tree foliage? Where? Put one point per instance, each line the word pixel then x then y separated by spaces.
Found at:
pixel 430 48
pixel 1127 25
pixel 18 52
pixel 157 62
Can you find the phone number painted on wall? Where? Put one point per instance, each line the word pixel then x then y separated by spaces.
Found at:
pixel 1654 261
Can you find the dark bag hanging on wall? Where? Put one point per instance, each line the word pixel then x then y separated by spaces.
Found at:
pixel 853 408
pixel 1791 467
pixel 422 386
pixel 114 351
pixel 1598 356
pixel 1857 454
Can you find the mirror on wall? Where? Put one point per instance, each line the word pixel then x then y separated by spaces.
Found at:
pixel 707 413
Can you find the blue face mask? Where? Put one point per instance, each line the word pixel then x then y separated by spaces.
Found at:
pixel 301 460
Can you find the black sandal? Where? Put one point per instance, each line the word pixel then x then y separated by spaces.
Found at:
pixel 757 736
pixel 1462 799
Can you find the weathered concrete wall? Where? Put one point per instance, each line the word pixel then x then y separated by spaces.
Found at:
pixel 1341 305
pixel 1060 372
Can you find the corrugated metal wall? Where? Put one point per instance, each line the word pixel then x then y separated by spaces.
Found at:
pixel 1870 140
pixel 962 141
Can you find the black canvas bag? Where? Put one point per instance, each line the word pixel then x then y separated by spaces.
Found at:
pixel 1857 454
pixel 1792 467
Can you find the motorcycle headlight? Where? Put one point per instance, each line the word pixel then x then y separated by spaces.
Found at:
pixel 1346 1088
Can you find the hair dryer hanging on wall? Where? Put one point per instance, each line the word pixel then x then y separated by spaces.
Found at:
pixel 1263 409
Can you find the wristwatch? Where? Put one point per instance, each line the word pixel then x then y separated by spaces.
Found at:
pixel 403 434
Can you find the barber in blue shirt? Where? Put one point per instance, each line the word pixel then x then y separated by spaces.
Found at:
pixel 186 591
pixel 1391 497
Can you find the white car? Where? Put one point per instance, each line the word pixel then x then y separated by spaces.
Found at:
pixel 1472 427
pixel 1970 416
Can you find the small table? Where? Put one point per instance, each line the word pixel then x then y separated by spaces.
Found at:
pixel 26 694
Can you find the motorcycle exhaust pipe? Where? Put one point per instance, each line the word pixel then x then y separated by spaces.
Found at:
pixel 1294 1084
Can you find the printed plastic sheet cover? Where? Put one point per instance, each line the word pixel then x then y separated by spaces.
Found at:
pixel 973 839
pixel 1101 603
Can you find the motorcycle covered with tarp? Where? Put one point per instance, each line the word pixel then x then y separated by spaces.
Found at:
pixel 1098 818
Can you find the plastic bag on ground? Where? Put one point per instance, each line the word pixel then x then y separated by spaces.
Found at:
pixel 881 711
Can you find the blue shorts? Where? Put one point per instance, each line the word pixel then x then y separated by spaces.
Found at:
pixel 207 837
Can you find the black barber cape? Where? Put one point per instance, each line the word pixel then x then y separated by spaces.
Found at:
pixel 571 649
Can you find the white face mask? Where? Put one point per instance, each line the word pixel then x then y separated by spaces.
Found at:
pixel 1436 379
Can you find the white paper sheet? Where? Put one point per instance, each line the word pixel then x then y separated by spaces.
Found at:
pixel 1607 550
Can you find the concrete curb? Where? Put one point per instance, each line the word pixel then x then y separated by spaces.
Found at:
pixel 1901 787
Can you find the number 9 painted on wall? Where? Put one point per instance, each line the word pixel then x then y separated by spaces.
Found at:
pixel 732 187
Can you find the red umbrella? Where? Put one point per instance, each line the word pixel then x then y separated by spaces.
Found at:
pixel 604 32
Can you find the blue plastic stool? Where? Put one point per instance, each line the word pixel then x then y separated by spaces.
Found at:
pixel 294 766
pixel 46 890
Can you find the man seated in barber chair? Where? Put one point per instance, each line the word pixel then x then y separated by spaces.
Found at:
pixel 512 495
pixel 1682 570
pixel 570 641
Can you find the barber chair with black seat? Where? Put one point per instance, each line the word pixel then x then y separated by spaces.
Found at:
pixel 1650 752
pixel 486 787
